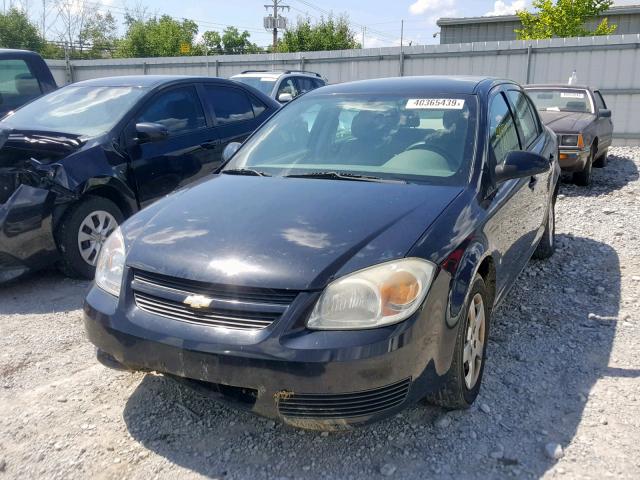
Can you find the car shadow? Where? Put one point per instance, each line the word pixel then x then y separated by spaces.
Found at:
pixel 550 343
pixel 44 291
pixel 620 170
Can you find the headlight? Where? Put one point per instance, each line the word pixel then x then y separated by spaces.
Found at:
pixel 110 266
pixel 572 141
pixel 374 297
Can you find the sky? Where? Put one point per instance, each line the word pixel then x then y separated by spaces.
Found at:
pixel 380 19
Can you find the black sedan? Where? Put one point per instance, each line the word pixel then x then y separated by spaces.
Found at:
pixel 76 162
pixel 582 121
pixel 346 260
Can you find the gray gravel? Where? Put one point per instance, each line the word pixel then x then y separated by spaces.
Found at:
pixel 561 393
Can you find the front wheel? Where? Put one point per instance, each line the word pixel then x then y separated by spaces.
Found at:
pixel 583 178
pixel 547 244
pixel 462 382
pixel 82 233
pixel 602 160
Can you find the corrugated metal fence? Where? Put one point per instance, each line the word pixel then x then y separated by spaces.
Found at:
pixel 609 63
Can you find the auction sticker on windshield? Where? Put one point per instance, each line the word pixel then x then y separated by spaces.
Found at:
pixel 435 103
pixel 571 95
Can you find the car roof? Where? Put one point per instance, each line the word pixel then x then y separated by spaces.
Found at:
pixel 556 85
pixel 418 85
pixel 150 81
pixel 277 73
pixel 10 52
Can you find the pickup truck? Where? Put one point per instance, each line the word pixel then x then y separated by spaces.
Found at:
pixel 24 76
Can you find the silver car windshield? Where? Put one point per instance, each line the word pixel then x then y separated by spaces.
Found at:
pixel 87 111
pixel 264 84
pixel 428 139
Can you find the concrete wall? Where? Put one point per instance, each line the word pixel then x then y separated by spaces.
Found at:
pixel 609 63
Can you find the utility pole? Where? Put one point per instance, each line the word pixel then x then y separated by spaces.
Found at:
pixel 44 18
pixel 401 34
pixel 273 23
pixel 364 32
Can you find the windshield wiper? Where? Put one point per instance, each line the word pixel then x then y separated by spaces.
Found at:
pixel 344 176
pixel 245 171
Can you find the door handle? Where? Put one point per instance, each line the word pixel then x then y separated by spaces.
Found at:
pixel 532 182
pixel 210 144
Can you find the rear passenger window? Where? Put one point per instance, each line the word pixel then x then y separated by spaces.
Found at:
pixel 258 106
pixel 525 116
pixel 17 84
pixel 503 137
pixel 231 105
pixel 178 109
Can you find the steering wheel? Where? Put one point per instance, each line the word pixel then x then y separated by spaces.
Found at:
pixel 433 148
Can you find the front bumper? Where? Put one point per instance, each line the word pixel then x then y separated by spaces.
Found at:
pixel 573 159
pixel 26 232
pixel 309 379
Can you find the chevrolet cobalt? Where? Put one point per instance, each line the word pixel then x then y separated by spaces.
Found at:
pixel 346 260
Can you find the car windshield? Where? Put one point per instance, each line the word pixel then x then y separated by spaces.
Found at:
pixel 264 84
pixel 399 137
pixel 561 100
pixel 84 111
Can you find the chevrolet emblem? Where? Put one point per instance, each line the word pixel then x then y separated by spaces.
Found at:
pixel 198 301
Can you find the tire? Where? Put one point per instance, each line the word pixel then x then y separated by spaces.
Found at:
pixel 583 178
pixel 547 244
pixel 602 160
pixel 75 261
pixel 456 392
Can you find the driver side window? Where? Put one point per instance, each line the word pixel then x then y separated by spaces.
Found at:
pixel 503 136
pixel 287 86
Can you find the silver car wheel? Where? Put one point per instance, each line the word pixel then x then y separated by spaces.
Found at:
pixel 474 341
pixel 93 232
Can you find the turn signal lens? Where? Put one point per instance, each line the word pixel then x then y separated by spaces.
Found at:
pixel 374 297
pixel 398 292
pixel 580 141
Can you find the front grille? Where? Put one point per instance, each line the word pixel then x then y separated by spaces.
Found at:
pixel 231 307
pixel 344 405
pixel 229 292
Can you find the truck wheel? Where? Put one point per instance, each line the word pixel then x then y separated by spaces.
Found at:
pixel 547 244
pixel 461 384
pixel 82 233
pixel 602 160
pixel 583 178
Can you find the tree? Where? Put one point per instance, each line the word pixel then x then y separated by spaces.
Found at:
pixel 99 35
pixel 73 16
pixel 565 18
pixel 327 34
pixel 17 31
pixel 157 37
pixel 231 41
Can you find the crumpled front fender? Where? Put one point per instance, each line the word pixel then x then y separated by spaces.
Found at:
pixel 26 231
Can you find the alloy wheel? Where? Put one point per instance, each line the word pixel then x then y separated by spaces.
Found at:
pixel 93 232
pixel 474 342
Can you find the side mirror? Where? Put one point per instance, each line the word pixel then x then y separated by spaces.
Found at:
pixel 519 164
pixel 285 97
pixel 230 150
pixel 604 113
pixel 151 132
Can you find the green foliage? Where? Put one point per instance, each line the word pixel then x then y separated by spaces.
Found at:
pixel 327 34
pixel 564 18
pixel 157 37
pixel 17 31
pixel 100 35
pixel 231 41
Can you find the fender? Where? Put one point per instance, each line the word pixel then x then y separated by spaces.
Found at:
pixel 463 265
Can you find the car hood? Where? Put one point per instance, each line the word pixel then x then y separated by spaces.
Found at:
pixel 280 232
pixel 20 146
pixel 566 121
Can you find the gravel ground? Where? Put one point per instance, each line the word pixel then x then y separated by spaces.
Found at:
pixel 561 395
